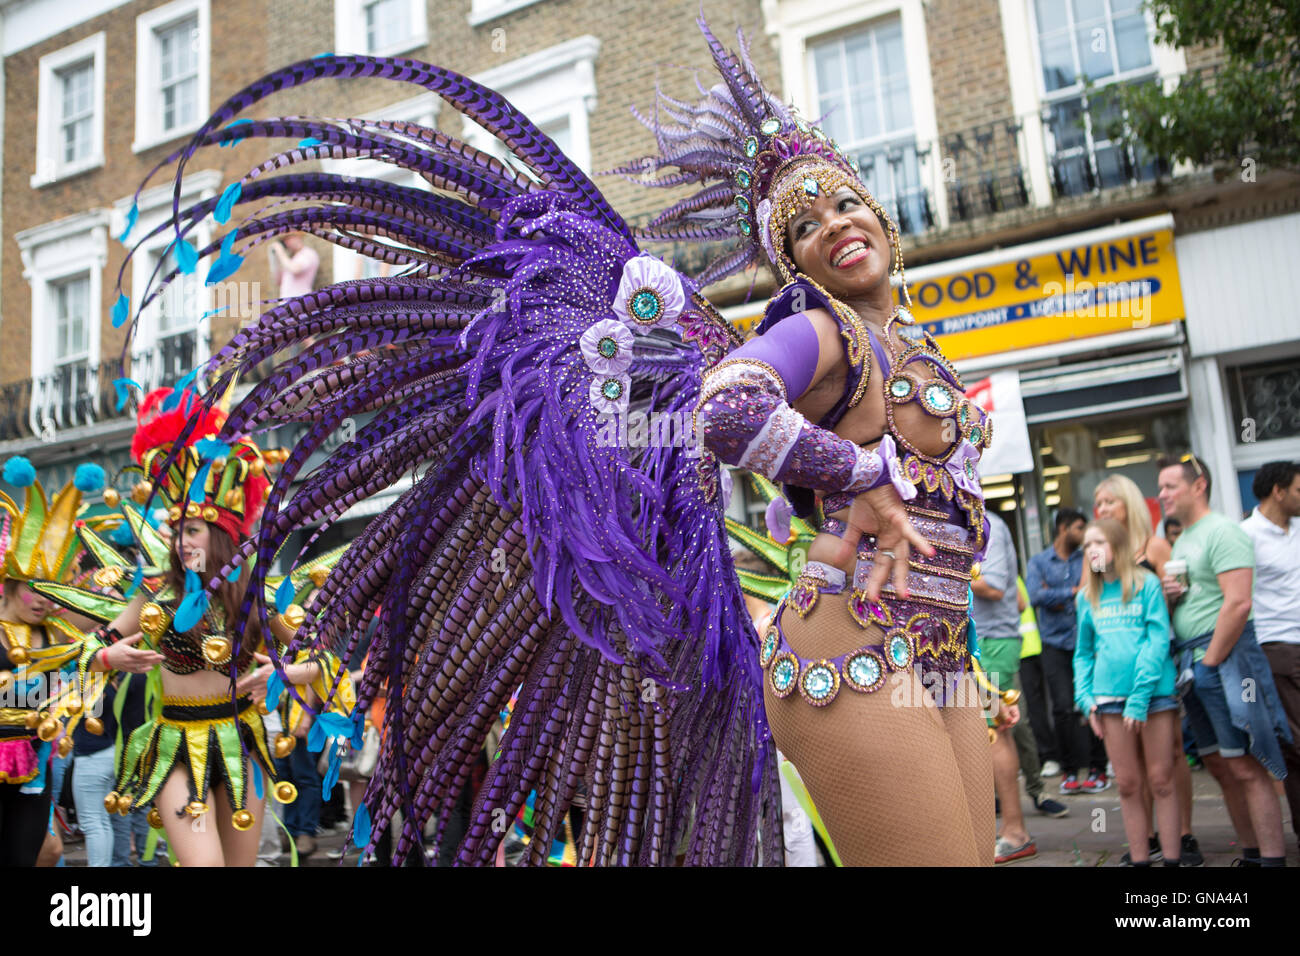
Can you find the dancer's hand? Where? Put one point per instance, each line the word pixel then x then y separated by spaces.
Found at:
pixel 880 512
pixel 1094 721
pixel 254 682
pixel 1133 725
pixel 125 656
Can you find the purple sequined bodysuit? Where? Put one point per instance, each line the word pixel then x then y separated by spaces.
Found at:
pixel 747 420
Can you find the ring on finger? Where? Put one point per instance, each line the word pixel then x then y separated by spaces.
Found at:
pixel 886 552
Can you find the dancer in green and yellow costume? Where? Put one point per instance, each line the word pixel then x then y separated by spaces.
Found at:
pixel 206 754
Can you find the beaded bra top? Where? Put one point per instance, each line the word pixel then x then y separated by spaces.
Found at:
pixel 941 398
pixel 192 651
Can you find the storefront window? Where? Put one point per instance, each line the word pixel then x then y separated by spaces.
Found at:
pixel 1266 399
pixel 1073 457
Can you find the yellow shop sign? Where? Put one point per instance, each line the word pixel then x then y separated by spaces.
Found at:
pixel 1070 287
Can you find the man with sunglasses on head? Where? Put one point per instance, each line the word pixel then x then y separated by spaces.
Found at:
pixel 1227 686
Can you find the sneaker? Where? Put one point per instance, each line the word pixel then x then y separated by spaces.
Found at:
pixel 1191 855
pixel 1051 808
pixel 1070 785
pixel 1242 861
pixel 1127 860
pixel 1051 769
pixel 1007 852
pixel 1153 849
pixel 1096 782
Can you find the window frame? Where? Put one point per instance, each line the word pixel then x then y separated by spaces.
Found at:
pixel 148 88
pixel 531 84
pixel 54 252
pixel 481 11
pixel 350 29
pixel 421 110
pixel 50 165
pixel 155 208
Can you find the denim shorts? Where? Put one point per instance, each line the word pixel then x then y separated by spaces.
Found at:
pixel 1155 706
pixel 1207 713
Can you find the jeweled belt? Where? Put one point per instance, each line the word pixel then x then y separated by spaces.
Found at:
pixel 864 669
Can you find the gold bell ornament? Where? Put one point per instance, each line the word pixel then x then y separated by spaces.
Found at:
pixel 18 656
pixel 155 818
pixel 95 726
pixel 242 819
pixel 284 745
pixel 49 729
pixel 196 808
pixel 65 746
pixel 286 792
pixel 111 497
pixel 110 801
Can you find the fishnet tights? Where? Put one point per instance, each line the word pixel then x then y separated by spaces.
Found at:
pixel 897 780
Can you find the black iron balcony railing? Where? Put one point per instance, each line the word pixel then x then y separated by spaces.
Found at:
pixel 79 394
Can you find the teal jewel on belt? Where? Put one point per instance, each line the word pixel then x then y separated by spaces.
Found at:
pixel 898 650
pixel 612 389
pixel 767 649
pixel 784 673
pixel 820 683
pixel 864 671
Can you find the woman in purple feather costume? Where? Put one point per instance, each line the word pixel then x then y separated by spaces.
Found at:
pixel 535 548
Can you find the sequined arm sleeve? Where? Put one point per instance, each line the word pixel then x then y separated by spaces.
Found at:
pixel 744 418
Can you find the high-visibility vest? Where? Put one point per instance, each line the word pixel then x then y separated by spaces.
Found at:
pixel 1030 642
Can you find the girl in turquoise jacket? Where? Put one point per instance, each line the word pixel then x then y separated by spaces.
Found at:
pixel 1124 681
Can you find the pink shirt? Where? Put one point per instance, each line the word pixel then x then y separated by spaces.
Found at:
pixel 300 277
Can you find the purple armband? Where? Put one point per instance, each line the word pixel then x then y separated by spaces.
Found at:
pixel 790 348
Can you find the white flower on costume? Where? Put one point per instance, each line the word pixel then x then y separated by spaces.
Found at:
pixel 607 347
pixel 609 393
pixel 649 295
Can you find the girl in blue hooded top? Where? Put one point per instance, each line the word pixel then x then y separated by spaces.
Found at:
pixel 1124 681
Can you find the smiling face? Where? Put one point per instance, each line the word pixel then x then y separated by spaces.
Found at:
pixel 840 244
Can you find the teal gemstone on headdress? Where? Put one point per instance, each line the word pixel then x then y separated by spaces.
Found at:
pixel 751 146
pixel 783 674
pixel 612 389
pixel 646 306
pixel 963 415
pixel 768 648
pixel 863 670
pixel 745 227
pixel 855 166
pixel 800 125
pixel 816 131
pixel 770 126
pixel 976 434
pixel 938 397
pixel 607 347
pixel 743 204
pixel 818 681
pixel 811 186
pixel 900 388
pixel 743 179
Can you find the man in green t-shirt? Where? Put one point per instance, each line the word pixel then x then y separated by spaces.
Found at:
pixel 1230 701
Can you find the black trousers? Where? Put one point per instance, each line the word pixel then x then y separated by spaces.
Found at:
pixel 24 818
pixel 1034 685
pixel 1080 749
